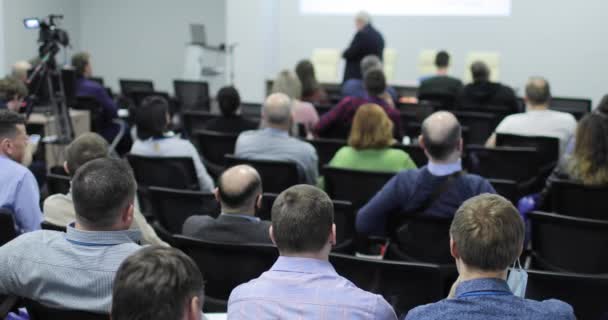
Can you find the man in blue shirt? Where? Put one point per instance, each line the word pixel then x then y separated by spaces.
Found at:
pixel 302 284
pixel 18 188
pixel 437 189
pixel 486 237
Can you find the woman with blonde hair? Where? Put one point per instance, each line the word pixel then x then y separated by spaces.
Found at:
pixel 287 82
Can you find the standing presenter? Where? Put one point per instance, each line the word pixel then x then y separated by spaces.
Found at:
pixel 367 41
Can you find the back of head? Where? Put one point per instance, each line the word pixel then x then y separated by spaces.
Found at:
pixel 8 124
pixel 375 82
pixel 602 107
pixel 19 70
pixel 441 135
pixel 156 283
pixel 442 59
pixel 370 62
pixel 538 91
pixel 306 73
pixel 302 219
pixel 488 233
pixel 589 161
pixel 480 71
pixel 371 129
pixel 287 82
pixel 88 146
pixel 11 88
pixel 229 100
pixel 151 117
pixel 277 110
pixel 239 187
pixel 80 61
pixel 101 190
pixel 363 17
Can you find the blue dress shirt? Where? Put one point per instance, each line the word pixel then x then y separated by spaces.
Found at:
pixel 19 192
pixel 356 88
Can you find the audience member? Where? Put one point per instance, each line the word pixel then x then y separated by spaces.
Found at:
pixel 336 122
pixel 354 87
pixel 231 120
pixel 302 283
pixel 19 70
pixel 311 89
pixel 483 93
pixel 154 140
pixel 367 41
pixel 436 189
pixel 75 271
pixel 602 107
pixel 12 92
pixel 272 141
pixel 18 188
pixel 239 191
pixel 440 85
pixel 59 208
pixel 158 283
pixel 538 120
pixel 287 82
pixel 486 237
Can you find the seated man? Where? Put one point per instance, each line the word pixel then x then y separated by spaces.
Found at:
pixel 538 120
pixel 158 283
pixel 18 188
pixel 486 237
pixel 441 84
pixel 336 122
pixel 239 190
pixel 354 87
pixel 59 208
pixel 12 92
pixel 437 189
pixel 19 70
pixel 302 284
pixel 483 93
pixel 75 270
pixel 155 140
pixel 273 142
pixel 231 121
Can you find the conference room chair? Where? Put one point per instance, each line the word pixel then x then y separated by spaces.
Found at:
pixel 194 120
pixel 404 285
pixel 57 183
pixel 585 293
pixel 171 207
pixel 127 86
pixel 416 111
pixel 139 96
pixel 8 304
pixel 578 107
pixel 213 145
pixel 519 164
pixel 355 186
pixel 578 200
pixel 415 152
pixel 276 175
pixel 251 110
pixel 7 226
pixel 192 95
pixel 225 266
pixel 507 188
pixel 323 108
pixel 568 244
pixel 547 147
pixel 45 225
pixel 38 311
pixel 97 79
pixel 420 238
pixel 481 125
pixel 406 91
pixel 333 90
pixel 441 101
pixel 326 149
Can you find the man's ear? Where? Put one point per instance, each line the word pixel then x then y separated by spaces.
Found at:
pixel 460 145
pixel 271 234
pixel 216 193
pixel 65 167
pixel 453 249
pixel 195 309
pixel 332 235
pixel 258 201
pixel 421 141
pixel 127 216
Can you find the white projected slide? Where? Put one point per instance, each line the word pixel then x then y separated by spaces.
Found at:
pixel 408 7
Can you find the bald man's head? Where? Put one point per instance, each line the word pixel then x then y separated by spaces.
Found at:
pixel 277 110
pixel 538 91
pixel 441 135
pixel 238 189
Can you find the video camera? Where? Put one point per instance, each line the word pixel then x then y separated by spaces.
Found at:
pixel 50 35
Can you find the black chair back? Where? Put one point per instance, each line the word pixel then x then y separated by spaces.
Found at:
pixel 323 108
pixel 585 293
pixel 356 186
pixel 547 147
pixel 214 145
pixel 326 149
pixel 568 244
pixel 169 172
pixel 415 152
pixel 192 94
pixel 575 199
pixel 194 120
pixel 577 107
pixel 481 125
pixel 421 238
pixel 509 163
pixel 507 188
pixel 127 86
pixel 95 109
pixel 251 109
pixel 7 226
pixel 404 285
pixel 443 101
pixel 171 207
pixel 37 311
pixel 139 95
pixel 45 225
pixel 57 183
pixel 276 175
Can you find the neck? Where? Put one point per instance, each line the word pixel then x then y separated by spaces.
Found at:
pixel 451 159
pixel 82 227
pixel 277 126
pixel 468 274
pixel 442 71
pixel 310 255
pixel 247 212
pixel 536 107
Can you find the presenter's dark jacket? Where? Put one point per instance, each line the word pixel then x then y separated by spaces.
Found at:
pixel 366 41
pixel 230 228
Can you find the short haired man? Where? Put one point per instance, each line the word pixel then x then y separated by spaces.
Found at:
pixel 75 270
pixel 486 237
pixel 483 93
pixel 436 189
pixel 231 120
pixel 538 120
pixel 441 84
pixel 12 92
pixel 367 41
pixel 19 70
pixel 59 208
pixel 19 190
pixel 336 122
pixel 239 191
pixel 158 283
pixel 302 284
pixel 355 87
pixel 272 141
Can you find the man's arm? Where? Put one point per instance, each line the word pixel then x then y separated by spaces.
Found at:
pixel 9 283
pixel 371 219
pixel 355 49
pixel 329 118
pixel 205 180
pixel 384 311
pixel 27 208
pixel 110 110
pixel 491 142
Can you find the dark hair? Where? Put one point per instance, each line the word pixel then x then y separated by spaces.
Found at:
pixel 589 161
pixel 306 72
pixel 11 87
pixel 602 107
pixel 441 149
pixel 302 218
pixel 243 195
pixel 538 91
pixel 155 283
pixel 488 232
pixel 480 71
pixel 8 123
pixel 375 82
pixel 80 61
pixel 151 117
pixel 229 100
pixel 88 146
pixel 442 59
pixel 101 190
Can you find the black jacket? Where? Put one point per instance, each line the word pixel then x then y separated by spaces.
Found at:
pixel 232 124
pixel 227 228
pixel 480 95
pixel 366 41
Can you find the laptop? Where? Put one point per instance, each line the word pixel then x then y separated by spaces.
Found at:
pixel 198 34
